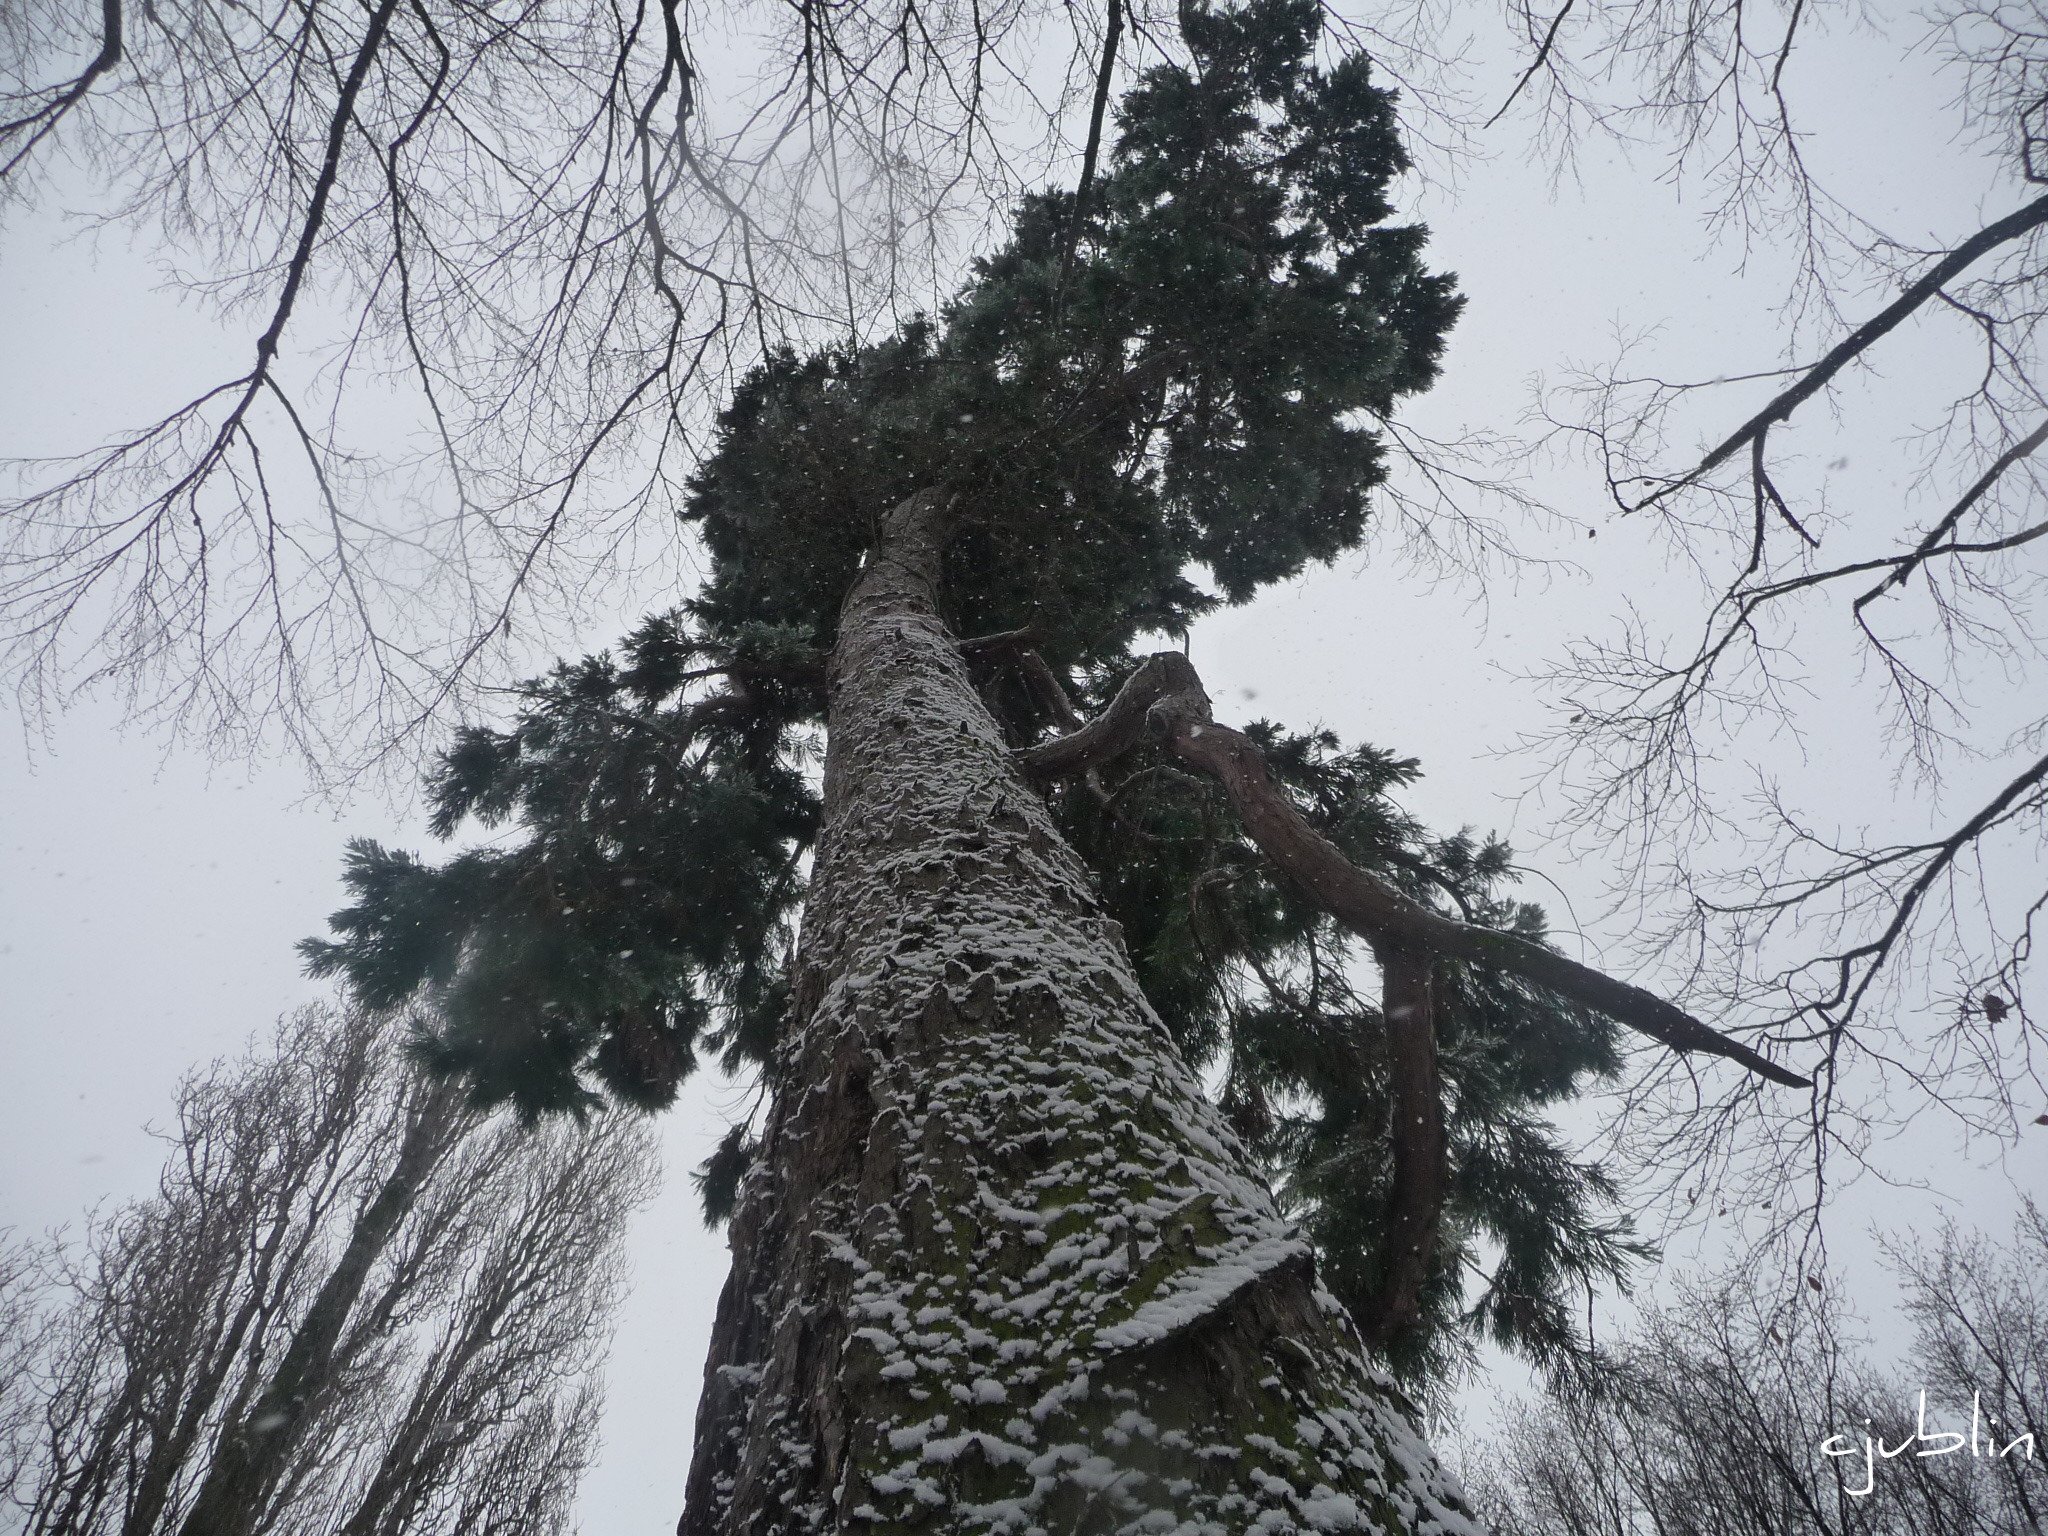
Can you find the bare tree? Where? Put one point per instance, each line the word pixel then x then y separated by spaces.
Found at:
pixel 1740 1413
pixel 1911 592
pixel 555 237
pixel 1982 1311
pixel 347 1295
pixel 503 1368
pixel 23 1327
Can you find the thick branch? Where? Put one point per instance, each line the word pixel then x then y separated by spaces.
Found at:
pixel 1047 689
pixel 1118 728
pixel 1105 72
pixel 1165 697
pixel 42 122
pixel 1416 1126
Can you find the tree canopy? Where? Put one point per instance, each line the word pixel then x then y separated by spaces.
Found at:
pixel 564 240
pixel 565 234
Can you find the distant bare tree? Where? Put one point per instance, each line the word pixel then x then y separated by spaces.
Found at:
pixel 352 1305
pixel 501 1369
pixel 22 1330
pixel 1982 1311
pixel 1737 1413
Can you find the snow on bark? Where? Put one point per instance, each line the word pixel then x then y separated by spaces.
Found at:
pixel 1001 1267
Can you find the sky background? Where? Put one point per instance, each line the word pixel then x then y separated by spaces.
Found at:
pixel 149 899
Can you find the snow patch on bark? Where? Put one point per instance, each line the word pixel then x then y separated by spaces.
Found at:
pixel 1192 1295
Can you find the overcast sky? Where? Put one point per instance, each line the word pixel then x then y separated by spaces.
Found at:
pixel 149 901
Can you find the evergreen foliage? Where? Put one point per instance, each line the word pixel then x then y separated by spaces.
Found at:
pixel 648 910
pixel 1179 377
pixel 1182 375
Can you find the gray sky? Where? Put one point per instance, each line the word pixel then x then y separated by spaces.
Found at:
pixel 148 903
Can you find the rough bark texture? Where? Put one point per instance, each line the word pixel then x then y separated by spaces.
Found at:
pixel 1001 1267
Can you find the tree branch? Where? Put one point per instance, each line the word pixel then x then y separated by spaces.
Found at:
pixel 1812 381
pixel 1048 690
pixel 1104 74
pixel 1542 57
pixel 1408 1000
pixel 999 640
pixel 1165 699
pixel 43 121
pixel 1931 545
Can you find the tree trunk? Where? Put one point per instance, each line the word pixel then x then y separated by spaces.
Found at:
pixel 1000 1266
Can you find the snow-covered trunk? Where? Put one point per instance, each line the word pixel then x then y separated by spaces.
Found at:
pixel 1001 1267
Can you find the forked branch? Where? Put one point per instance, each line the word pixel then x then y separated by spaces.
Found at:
pixel 36 124
pixel 1811 381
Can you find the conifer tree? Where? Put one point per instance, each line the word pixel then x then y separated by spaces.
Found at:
pixel 999 1263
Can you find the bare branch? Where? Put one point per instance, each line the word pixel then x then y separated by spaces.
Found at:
pixel 1817 376
pixel 1932 543
pixel 32 127
pixel 1535 65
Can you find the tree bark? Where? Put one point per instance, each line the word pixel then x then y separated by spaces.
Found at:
pixel 1000 1266
pixel 1421 1148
